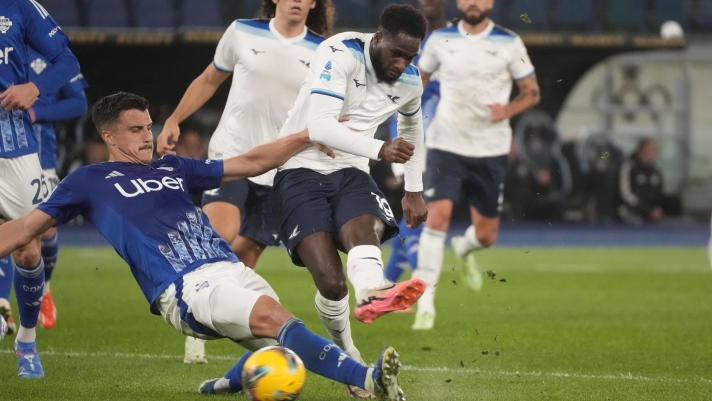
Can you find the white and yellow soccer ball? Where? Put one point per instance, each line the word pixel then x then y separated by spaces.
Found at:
pixel 273 374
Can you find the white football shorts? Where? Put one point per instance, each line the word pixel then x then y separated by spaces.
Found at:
pixel 52 180
pixel 218 297
pixel 22 185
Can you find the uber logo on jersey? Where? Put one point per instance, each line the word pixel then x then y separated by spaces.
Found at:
pixel 142 186
pixel 5 55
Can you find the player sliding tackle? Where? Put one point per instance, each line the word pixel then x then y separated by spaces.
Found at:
pixel 186 271
pixel 325 204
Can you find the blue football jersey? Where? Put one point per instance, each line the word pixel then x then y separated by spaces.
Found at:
pixel 45 131
pixel 146 214
pixel 23 23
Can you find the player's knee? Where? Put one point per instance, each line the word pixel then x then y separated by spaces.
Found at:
pixel 438 221
pixel 332 288
pixel 267 317
pixel 487 239
pixel 28 255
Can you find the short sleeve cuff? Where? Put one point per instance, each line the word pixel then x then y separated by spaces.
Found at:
pixel 223 69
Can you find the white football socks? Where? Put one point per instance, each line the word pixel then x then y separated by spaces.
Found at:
pixel 468 244
pixel 26 335
pixel 364 267
pixel 430 263
pixel 334 315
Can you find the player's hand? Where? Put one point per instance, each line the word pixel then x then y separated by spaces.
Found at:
pixel 19 97
pixel 33 116
pixel 398 151
pixel 414 209
pixel 325 149
pixel 498 112
pixel 166 142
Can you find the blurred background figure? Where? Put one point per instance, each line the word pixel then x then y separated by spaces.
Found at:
pixel 641 187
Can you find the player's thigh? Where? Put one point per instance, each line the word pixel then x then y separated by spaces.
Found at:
pixel 215 301
pixel 224 207
pixel 439 214
pixel 360 211
pixel 22 186
pixel 300 200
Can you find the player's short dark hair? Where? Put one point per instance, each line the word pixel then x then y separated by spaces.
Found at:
pixel 397 18
pixel 108 109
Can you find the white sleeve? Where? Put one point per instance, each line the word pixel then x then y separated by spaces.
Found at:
pixel 226 53
pixel 428 61
pixel 410 128
pixel 331 77
pixel 520 66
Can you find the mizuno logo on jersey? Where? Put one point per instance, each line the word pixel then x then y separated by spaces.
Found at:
pixel 295 232
pixel 358 83
pixel 394 99
pixel 257 51
pixel 307 63
pixel 141 186
pixel 165 168
pixel 114 174
pixel 5 24
pixel 334 50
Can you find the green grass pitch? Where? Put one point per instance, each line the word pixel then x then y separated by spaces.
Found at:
pixel 568 324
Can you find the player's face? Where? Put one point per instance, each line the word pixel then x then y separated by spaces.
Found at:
pixel 432 8
pixel 474 11
pixel 132 136
pixel 294 11
pixel 392 54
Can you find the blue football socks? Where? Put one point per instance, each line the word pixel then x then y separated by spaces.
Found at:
pixel 29 284
pixel 50 250
pixel 7 270
pixel 320 355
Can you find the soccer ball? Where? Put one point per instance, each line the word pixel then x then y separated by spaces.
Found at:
pixel 273 374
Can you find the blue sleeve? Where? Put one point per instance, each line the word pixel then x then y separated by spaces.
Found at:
pixel 69 107
pixel 77 84
pixel 200 174
pixel 67 201
pixel 64 67
pixel 42 33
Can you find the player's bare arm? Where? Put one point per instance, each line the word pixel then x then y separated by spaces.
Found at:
pixel 200 91
pixel 265 158
pixel 527 98
pixel 19 97
pixel 20 232
pixel 425 78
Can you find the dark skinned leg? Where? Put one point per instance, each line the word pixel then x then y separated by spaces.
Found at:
pixel 319 254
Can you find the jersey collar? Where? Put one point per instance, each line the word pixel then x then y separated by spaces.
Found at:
pixel 284 40
pixel 367 52
pixel 479 36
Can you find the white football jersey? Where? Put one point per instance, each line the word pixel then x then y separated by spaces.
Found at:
pixel 267 72
pixel 343 70
pixel 474 71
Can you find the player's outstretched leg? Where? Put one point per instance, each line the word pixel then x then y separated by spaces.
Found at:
pixel 361 237
pixel 7 269
pixel 319 254
pixel 325 359
pixel 50 251
pixel 430 262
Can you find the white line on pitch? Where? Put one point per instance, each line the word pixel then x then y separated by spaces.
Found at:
pixel 620 376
